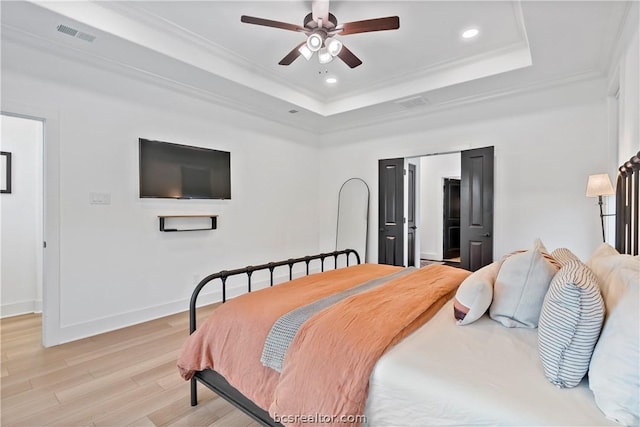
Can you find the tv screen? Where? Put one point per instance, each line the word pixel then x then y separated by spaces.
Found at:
pixel 177 171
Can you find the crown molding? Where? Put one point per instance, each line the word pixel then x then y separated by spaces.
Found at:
pixel 431 108
pixel 134 11
pixel 610 58
pixel 517 55
pixel 48 46
pixel 317 126
pixel 521 46
pixel 186 48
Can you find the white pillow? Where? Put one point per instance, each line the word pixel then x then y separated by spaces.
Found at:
pixel 520 287
pixel 614 371
pixel 611 268
pixel 570 323
pixel 475 293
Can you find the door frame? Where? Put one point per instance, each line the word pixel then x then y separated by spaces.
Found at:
pixel 409 165
pixel 37 307
pixel 50 227
pixel 418 200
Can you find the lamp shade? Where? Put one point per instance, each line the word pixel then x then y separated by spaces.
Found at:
pixel 599 185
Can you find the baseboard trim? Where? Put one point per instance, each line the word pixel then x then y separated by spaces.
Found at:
pixel 73 332
pixel 429 255
pixel 20 308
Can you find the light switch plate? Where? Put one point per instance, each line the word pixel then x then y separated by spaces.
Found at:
pixel 100 198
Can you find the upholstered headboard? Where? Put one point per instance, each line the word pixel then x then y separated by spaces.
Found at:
pixel 627 201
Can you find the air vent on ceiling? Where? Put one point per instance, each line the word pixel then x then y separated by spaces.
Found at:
pixel 75 33
pixel 412 102
pixel 67 30
pixel 293 111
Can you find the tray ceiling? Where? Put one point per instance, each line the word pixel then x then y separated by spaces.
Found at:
pixel 203 46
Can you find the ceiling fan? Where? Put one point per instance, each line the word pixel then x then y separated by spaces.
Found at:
pixel 320 26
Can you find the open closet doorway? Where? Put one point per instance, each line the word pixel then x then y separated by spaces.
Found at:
pixel 439 208
pixel 402 241
pixel 451 221
pixel 22 213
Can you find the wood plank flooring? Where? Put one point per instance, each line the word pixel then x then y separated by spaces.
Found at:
pixel 126 377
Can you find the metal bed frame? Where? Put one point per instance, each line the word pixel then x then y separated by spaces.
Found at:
pixel 627 223
pixel 212 379
pixel 627 201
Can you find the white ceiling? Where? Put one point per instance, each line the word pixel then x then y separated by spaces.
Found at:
pixel 202 47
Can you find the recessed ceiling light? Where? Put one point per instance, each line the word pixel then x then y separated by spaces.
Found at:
pixel 470 33
pixel 331 80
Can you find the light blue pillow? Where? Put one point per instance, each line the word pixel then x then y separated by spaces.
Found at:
pixel 520 288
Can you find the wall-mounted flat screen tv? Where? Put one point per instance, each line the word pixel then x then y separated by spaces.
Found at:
pixel 177 171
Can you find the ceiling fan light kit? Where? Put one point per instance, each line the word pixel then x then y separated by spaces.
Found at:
pixel 320 26
pixel 324 57
pixel 314 42
pixel 305 51
pixel 334 46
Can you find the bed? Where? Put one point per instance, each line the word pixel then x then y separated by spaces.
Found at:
pixel 431 370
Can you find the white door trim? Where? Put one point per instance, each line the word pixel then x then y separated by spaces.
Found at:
pixel 49 258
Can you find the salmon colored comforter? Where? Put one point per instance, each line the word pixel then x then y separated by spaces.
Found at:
pixel 327 367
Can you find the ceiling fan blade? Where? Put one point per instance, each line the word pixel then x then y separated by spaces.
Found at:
pixel 269 23
pixel 348 57
pixel 320 9
pixel 291 56
pixel 368 25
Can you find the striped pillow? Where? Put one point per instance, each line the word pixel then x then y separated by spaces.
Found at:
pixel 564 256
pixel 570 323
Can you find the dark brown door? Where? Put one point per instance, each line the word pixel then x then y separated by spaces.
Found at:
pixel 451 220
pixel 411 215
pixel 391 211
pixel 476 208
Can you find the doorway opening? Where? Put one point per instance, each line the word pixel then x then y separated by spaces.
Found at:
pixel 451 221
pixel 438 209
pixel 406 212
pixel 22 226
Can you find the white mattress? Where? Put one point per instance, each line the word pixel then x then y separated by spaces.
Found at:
pixel 478 374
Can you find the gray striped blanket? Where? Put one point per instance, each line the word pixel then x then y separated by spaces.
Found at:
pixel 286 327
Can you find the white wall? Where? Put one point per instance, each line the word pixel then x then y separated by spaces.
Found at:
pixel 626 72
pixel 116 268
pixel 546 144
pixel 20 289
pixel 433 170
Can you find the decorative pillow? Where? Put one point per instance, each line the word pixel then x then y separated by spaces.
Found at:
pixel 475 293
pixel 614 373
pixel 563 256
pixel 570 323
pixel 520 288
pixel 610 268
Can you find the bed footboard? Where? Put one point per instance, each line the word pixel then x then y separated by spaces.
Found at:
pixel 212 379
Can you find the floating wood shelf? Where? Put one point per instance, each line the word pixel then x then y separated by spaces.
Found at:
pixel 163 221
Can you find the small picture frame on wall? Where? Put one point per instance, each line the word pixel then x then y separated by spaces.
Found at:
pixel 5 172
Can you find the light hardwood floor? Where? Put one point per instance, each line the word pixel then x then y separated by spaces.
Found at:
pixel 126 377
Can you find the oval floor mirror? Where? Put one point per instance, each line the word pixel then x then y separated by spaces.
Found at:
pixel 353 217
